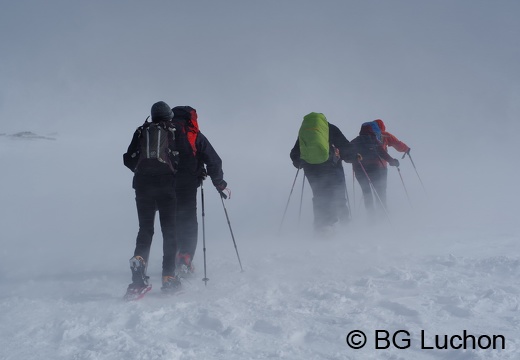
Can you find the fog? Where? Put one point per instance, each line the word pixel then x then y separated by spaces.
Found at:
pixel 443 75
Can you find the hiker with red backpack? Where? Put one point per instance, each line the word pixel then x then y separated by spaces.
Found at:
pixel 319 151
pixel 153 158
pixel 198 159
pixel 370 166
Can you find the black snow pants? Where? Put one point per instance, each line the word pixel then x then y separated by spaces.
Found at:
pixel 328 186
pixel 156 194
pixel 378 177
pixel 187 226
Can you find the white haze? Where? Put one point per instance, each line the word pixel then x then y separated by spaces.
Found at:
pixel 443 76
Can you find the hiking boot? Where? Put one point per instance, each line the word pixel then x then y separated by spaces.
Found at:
pixel 138 268
pixel 170 284
pixel 184 265
pixel 139 285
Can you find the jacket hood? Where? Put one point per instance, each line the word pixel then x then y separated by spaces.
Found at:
pixel 381 124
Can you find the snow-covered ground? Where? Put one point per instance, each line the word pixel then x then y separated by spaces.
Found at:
pixel 77 77
pixel 68 228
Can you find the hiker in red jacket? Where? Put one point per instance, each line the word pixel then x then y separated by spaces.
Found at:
pixel 387 140
pixel 390 140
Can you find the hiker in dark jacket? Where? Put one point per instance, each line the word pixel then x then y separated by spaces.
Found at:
pixel 326 178
pixel 197 159
pixel 371 165
pixel 154 182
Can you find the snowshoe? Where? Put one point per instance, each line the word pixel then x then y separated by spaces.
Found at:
pixel 136 291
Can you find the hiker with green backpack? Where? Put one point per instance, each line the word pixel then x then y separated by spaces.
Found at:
pixel 319 151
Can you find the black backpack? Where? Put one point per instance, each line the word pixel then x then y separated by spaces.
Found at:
pixel 154 154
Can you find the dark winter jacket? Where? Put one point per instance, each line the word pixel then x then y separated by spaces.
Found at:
pixel 337 141
pixel 195 150
pixel 371 150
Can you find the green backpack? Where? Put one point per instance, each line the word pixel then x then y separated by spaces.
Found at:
pixel 314 139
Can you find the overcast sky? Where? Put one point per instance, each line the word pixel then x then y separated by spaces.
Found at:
pixel 352 60
pixel 444 75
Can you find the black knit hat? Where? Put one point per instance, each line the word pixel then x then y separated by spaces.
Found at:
pixel 161 112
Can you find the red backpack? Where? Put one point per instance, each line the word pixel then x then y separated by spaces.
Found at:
pixel 191 129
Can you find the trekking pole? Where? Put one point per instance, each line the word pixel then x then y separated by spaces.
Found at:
pixel 374 190
pixel 348 200
pixel 301 200
pixel 203 232
pixel 353 186
pixel 287 205
pixel 408 153
pixel 231 230
pixel 406 191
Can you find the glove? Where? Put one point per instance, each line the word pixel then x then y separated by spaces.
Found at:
pixel 394 162
pixel 297 164
pixel 221 187
pixel 203 174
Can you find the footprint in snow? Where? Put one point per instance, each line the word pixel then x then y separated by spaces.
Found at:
pixel 399 309
pixel 266 327
pixel 209 322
